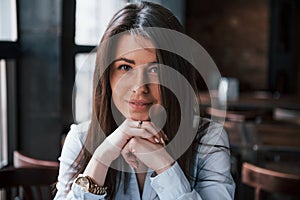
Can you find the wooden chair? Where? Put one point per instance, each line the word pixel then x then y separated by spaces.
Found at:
pixel 289 115
pixel 276 133
pixel 14 178
pixel 21 160
pixel 240 115
pixel 267 181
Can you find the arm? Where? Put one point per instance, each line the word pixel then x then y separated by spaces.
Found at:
pixel 98 165
pixel 212 173
pixel 72 146
pixel 114 144
pixel 214 180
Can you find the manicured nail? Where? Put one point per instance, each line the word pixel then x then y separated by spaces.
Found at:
pixel 162 141
pixel 157 140
pixel 136 165
pixel 166 137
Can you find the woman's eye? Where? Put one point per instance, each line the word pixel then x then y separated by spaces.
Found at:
pixel 124 67
pixel 153 69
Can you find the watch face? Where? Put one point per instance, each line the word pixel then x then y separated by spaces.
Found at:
pixel 83 182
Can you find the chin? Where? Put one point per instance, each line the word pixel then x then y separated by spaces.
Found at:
pixel 139 116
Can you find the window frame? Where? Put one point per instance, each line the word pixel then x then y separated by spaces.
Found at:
pixel 11 51
pixel 68 51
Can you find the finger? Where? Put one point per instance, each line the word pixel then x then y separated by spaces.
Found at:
pixel 127 151
pixel 163 142
pixel 134 164
pixel 166 138
pixel 129 158
pixel 129 128
pixel 143 129
pixel 152 129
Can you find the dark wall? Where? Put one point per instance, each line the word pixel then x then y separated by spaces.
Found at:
pixel 246 38
pixel 39 79
pixel 235 34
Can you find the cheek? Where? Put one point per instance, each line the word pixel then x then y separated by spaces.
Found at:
pixel 119 95
pixel 155 90
pixel 119 84
pixel 115 87
pixel 117 98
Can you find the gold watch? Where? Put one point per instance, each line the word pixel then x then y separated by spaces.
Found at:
pixel 89 185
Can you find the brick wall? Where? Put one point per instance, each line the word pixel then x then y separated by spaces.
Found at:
pixel 235 34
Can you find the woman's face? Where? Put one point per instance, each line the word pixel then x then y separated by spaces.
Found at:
pixel 134 77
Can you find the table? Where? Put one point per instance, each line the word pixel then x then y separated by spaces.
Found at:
pixel 253 101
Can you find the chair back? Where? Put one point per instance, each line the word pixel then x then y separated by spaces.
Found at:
pixel 12 179
pixel 21 160
pixel 289 115
pixel 267 181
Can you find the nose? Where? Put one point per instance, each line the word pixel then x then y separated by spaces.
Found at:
pixel 140 82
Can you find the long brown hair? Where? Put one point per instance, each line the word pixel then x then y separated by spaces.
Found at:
pixel 130 18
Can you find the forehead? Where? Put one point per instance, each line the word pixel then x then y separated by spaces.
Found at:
pixel 129 43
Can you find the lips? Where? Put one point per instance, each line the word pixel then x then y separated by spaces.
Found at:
pixel 139 105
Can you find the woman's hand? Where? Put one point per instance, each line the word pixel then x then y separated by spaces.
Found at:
pixel 143 129
pixel 152 155
pixel 116 141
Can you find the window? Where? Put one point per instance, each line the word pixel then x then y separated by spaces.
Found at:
pixel 3 116
pixel 84 63
pixel 8 20
pixel 9 52
pixel 97 13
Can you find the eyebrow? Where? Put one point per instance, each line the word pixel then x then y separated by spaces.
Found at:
pixel 132 61
pixel 124 59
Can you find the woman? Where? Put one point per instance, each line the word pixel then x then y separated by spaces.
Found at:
pixel 131 148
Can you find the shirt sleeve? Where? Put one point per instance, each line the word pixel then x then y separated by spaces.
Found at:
pixel 73 144
pixel 213 172
pixel 212 178
pixel 172 184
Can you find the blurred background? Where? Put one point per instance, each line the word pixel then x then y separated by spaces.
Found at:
pixel 44 44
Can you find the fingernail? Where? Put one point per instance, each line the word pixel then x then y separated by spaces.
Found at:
pixel 162 141
pixel 157 140
pixel 166 137
pixel 132 150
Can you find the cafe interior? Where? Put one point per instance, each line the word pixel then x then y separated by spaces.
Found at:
pixel 47 56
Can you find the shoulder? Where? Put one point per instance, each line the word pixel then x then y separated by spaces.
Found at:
pixel 72 146
pixel 212 157
pixel 213 133
pixel 212 141
pixel 74 140
pixel 78 132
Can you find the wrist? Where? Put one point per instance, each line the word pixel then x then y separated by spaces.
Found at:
pixel 161 170
pixel 106 153
pixel 97 170
pixel 102 159
pixel 89 185
pixel 118 138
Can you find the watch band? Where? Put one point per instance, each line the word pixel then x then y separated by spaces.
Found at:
pixel 95 188
pixel 92 186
